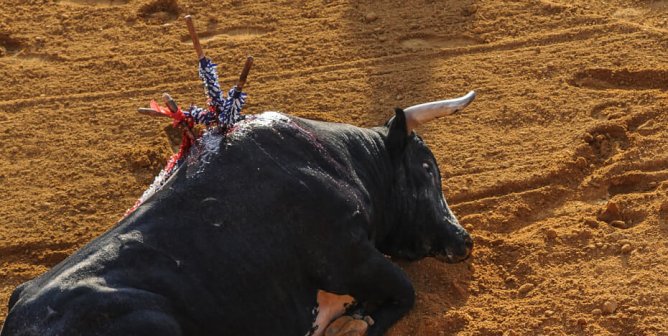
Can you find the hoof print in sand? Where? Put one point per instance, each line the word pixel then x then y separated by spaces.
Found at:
pixel 9 45
pixel 159 11
pixel 607 140
pixel 608 79
pixel 610 110
pixel 436 42
pixel 633 183
pixel 622 216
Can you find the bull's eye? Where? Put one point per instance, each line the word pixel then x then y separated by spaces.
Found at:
pixel 429 170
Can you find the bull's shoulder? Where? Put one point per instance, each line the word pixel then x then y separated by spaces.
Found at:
pixel 16 294
pixel 275 153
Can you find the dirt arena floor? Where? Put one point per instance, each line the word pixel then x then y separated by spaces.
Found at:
pixel 559 169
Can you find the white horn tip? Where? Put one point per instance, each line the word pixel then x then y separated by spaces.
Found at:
pixel 468 99
pixel 420 114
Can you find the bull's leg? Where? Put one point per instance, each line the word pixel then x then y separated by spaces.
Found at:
pixel 347 326
pixel 378 281
pixel 330 307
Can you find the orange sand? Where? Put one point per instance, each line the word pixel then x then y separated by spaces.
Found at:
pixel 560 162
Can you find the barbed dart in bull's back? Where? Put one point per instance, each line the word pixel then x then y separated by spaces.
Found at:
pixel 222 112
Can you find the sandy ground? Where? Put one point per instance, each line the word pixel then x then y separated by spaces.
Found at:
pixel 559 169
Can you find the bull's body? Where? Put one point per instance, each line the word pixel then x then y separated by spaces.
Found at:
pixel 239 241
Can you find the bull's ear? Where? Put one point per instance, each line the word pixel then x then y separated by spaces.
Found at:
pixel 397 134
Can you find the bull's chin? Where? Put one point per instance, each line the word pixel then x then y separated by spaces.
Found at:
pixel 408 256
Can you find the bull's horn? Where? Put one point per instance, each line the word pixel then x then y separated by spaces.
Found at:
pixel 420 114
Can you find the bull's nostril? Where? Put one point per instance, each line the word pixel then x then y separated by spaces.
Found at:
pixel 469 243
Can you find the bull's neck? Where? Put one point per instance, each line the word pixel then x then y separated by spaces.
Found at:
pixel 372 170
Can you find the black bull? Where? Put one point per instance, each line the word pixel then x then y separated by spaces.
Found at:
pixel 239 240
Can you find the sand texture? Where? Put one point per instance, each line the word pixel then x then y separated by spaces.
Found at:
pixel 559 169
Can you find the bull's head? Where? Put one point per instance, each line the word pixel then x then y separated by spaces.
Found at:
pixel 422 224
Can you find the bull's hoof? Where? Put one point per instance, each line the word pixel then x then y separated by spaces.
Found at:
pixel 347 326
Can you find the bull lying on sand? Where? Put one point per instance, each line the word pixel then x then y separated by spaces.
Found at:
pixel 243 236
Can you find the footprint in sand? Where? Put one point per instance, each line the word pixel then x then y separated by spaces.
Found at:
pixel 9 45
pixel 159 11
pixel 635 182
pixel 609 79
pixel 610 110
pixel 15 49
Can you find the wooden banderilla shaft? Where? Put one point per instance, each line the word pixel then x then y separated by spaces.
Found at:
pixel 244 73
pixel 194 37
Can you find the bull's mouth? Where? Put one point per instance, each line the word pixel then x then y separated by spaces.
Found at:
pixel 448 256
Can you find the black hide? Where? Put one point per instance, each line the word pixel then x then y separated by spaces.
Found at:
pixel 243 235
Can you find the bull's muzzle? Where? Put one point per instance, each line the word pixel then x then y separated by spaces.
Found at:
pixel 457 253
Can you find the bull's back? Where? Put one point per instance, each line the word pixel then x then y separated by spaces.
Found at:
pixel 146 278
pixel 96 291
pixel 226 247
